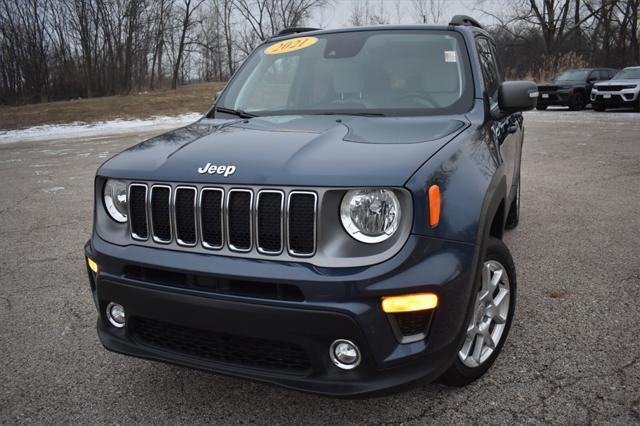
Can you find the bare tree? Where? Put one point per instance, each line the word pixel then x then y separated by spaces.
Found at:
pixel 266 17
pixel 366 12
pixel 429 11
pixel 188 9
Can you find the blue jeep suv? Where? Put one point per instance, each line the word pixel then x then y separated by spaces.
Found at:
pixel 333 224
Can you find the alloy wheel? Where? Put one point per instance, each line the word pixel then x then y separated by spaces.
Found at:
pixel 489 317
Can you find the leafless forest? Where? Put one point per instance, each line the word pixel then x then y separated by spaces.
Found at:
pixel 62 49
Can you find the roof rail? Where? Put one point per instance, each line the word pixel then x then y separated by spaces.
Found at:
pixel 295 30
pixel 464 20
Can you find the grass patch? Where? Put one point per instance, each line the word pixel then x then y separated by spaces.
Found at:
pixel 191 98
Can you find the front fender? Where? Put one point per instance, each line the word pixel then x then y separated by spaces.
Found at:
pixel 472 187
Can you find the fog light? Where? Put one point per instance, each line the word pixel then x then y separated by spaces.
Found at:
pixel 344 354
pixel 115 315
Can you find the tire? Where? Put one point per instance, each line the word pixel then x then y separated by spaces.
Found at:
pixel 541 107
pixel 598 107
pixel 513 217
pixel 461 373
pixel 578 102
pixel 636 105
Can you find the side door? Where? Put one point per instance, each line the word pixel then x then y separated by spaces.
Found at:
pixel 507 130
pixel 594 77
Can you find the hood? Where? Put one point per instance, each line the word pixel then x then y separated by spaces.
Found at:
pixel 561 83
pixel 625 82
pixel 290 150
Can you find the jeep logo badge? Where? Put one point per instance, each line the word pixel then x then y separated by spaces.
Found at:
pixel 217 170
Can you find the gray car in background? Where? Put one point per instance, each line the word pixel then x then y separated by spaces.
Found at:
pixel 623 90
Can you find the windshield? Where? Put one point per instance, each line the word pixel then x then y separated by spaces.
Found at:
pixel 628 74
pixel 573 75
pixel 390 72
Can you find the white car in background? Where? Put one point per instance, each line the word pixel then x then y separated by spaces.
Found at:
pixel 623 90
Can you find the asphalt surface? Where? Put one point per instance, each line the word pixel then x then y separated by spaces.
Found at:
pixel 571 357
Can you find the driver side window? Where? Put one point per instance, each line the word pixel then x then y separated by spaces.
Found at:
pixel 489 66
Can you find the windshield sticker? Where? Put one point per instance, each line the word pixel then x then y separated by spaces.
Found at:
pixel 450 56
pixel 287 46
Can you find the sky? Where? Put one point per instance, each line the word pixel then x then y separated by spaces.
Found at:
pixel 338 13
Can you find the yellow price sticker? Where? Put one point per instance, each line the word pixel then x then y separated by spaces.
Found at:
pixel 291 45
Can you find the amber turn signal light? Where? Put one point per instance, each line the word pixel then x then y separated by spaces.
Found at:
pixel 409 303
pixel 92 265
pixel 434 205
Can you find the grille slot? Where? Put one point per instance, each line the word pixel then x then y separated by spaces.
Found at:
pixel 269 211
pixel 185 215
pixel 161 213
pixel 302 223
pixel 211 217
pixel 239 206
pixel 222 347
pixel 138 211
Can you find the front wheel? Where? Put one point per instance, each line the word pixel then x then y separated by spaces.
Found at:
pixel 578 103
pixel 541 107
pixel 598 107
pixel 491 318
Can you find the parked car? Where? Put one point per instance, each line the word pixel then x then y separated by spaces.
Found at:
pixel 334 224
pixel 621 91
pixel 572 88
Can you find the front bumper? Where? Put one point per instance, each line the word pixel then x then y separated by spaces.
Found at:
pixel 555 97
pixel 623 98
pixel 336 303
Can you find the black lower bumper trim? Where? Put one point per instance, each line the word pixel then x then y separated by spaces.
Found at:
pixel 209 345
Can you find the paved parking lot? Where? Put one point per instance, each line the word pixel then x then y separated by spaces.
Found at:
pixel 572 355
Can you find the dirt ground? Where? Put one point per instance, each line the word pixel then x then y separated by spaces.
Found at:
pixel 191 98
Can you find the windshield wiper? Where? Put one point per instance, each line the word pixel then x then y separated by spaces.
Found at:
pixel 239 113
pixel 360 114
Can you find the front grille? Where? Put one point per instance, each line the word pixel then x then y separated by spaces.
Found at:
pixel 547 88
pixel 613 88
pixel 221 347
pixel 241 219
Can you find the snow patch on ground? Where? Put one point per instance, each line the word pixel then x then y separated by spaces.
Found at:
pixel 580 117
pixel 89 130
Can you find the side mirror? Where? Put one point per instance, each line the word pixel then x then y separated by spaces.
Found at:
pixel 515 96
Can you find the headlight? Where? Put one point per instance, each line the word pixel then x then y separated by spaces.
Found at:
pixel 370 215
pixel 115 199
